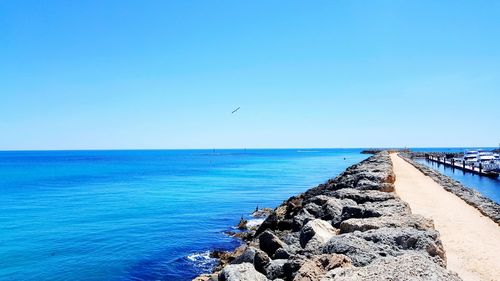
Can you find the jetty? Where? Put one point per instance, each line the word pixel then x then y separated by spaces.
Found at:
pixel 352 227
pixel 452 162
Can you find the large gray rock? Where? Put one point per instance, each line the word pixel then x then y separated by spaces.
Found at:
pixel 282 253
pixel 415 221
pixel 290 237
pixel 392 207
pixel 293 265
pixel 333 209
pixel 364 247
pixel 408 267
pixel 247 256
pixel 260 260
pixel 362 196
pixel 317 229
pixel 327 208
pixel 314 209
pixel 400 239
pixel 274 269
pixel 371 181
pixel 301 219
pixel 359 250
pixel 269 242
pixel 241 272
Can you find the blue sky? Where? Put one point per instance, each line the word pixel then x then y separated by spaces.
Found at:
pixel 167 74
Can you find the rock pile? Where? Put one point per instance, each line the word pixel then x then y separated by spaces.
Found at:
pixel 417 154
pixel 379 150
pixel 353 227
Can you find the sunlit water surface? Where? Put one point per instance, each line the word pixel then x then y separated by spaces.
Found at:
pixel 140 215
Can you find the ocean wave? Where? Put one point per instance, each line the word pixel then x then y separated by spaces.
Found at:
pixel 254 222
pixel 199 256
pixel 202 260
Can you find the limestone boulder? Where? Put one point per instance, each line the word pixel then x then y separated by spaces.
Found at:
pixel 362 196
pixel 241 272
pixel 318 230
pixel 416 221
pixel 408 267
pixel 360 251
pixel 403 239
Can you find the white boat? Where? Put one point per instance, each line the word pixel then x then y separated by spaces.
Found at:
pixel 486 161
pixel 470 157
pixel 486 157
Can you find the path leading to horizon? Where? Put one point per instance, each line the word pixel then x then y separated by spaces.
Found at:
pixel 471 240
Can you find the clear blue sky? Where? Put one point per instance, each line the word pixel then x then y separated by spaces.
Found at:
pixel 167 74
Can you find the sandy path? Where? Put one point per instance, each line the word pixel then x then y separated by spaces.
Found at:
pixel 471 240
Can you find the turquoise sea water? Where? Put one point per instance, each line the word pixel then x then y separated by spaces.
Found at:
pixel 140 215
pixel 147 214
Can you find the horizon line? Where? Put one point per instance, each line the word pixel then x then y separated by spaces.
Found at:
pixel 240 148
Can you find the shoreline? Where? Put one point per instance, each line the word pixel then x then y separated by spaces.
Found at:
pixel 353 227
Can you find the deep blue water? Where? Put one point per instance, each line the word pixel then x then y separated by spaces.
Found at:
pixel 140 215
pixel 487 186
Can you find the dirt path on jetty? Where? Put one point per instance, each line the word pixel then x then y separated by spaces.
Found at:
pixel 471 240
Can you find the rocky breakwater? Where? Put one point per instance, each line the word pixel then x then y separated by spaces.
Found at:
pixel 416 154
pixel 353 227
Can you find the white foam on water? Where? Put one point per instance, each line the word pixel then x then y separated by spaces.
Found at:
pixel 254 222
pixel 203 261
pixel 196 257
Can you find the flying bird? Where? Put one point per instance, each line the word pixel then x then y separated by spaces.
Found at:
pixel 235 110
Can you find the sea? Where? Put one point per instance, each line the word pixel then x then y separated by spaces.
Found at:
pixel 143 214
